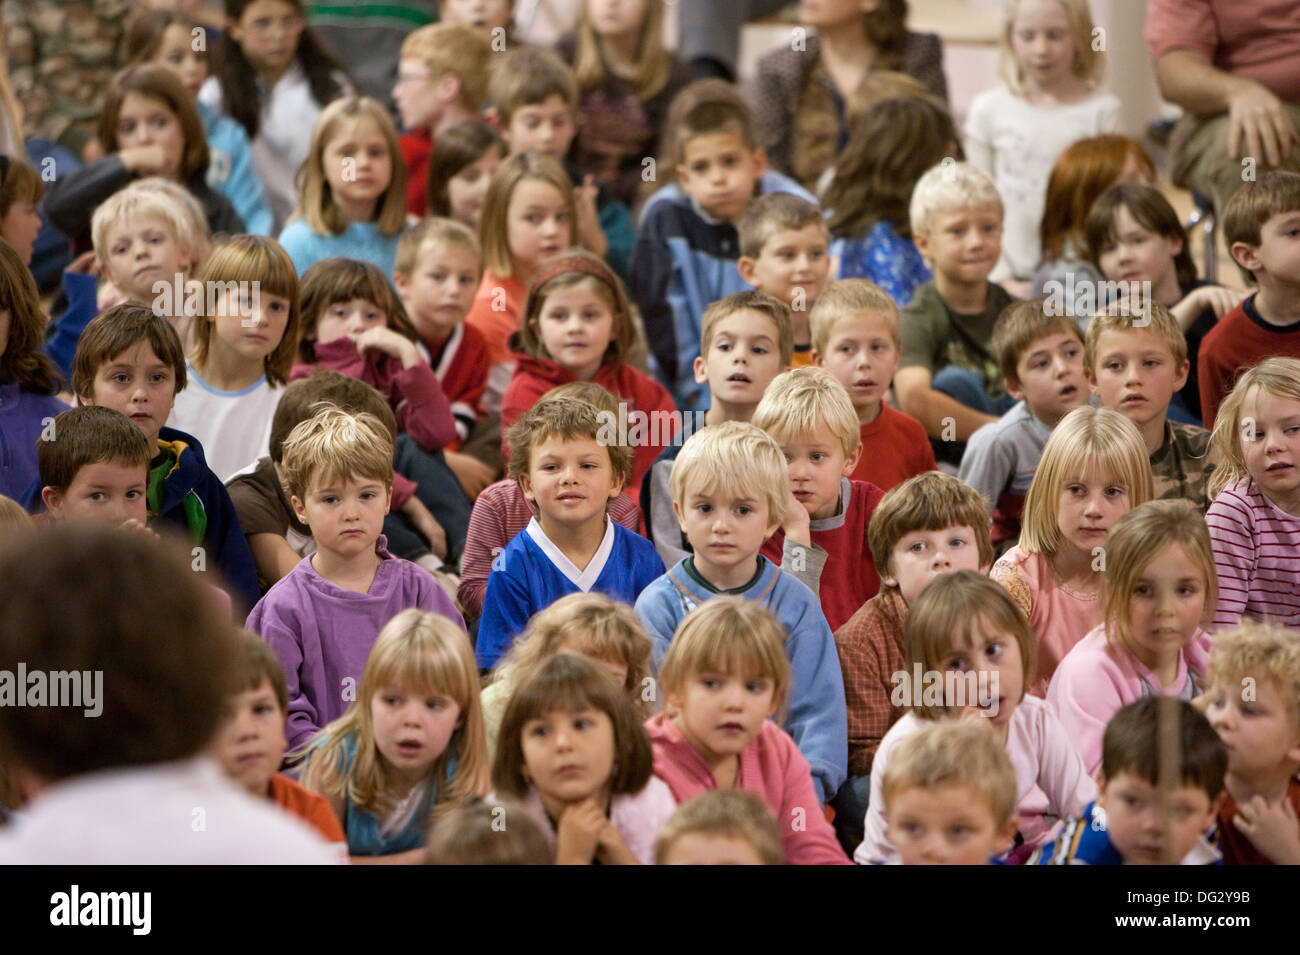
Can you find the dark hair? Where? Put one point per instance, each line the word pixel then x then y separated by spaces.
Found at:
pixel 22 361
pixel 1149 209
pixel 459 146
pixel 116 330
pixel 256 662
pixel 1135 734
pixel 157 82
pixel 335 280
pixel 89 435
pixel 145 30
pixel 299 401
pixel 18 180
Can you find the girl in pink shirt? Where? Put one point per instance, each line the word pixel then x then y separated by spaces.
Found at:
pixel 1093 469
pixel 1158 583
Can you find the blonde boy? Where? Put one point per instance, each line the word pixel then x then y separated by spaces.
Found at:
pixel 730 492
pixel 785 252
pixel 721 827
pixel 1041 359
pixel 1254 706
pixel 856 337
pixel 1135 357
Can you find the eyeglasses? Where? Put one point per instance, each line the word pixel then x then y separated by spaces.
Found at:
pixel 404 78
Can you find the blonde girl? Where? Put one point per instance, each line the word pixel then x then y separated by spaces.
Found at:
pixel 1255 518
pixel 353 201
pixel 410 747
pixel 245 300
pixel 590 625
pixel 1157 589
pixel 1094 468
pixel 965 629
pixel 1048 99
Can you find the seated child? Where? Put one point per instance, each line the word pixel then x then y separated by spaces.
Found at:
pixel 724 678
pixel 410 747
pixel 720 827
pixel 950 793
pixel 94 468
pixel 1254 706
pixel 784 252
pixel 731 490
pixel 480 832
pixel 130 359
pixel 856 337
pixel 322 617
pixel 809 415
pixel 1041 360
pixel 1136 360
pixel 1138 817
pixel 570 475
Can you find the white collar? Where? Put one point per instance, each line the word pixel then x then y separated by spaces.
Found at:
pixel 584 580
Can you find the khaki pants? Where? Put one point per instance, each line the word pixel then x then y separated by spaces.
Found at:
pixel 1201 162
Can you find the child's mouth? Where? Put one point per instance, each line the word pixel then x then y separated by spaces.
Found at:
pixel 1280 466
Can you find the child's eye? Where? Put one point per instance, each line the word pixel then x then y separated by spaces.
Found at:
pixel 134 495
pixel 759 350
pixel 1141 590
pixel 817 456
pixel 993 651
pixel 1112 366
pixel 120 379
pixel 161 378
pixel 744 510
pixel 703 508
pixel 1041 363
pixel 958 832
pixel 712 682
pixel 583 723
pixel 917 547
pixel 437 703
pixel 539 731
pixel 1116 491
pixel 756 686
pixel 957 542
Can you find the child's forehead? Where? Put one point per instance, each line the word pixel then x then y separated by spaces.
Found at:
pixel 950 797
pixel 868 323
pixel 964 530
pixel 434 252
pixel 1280 222
pixel 813 234
pixel 1266 405
pixel 1132 338
pixel 728 139
pixel 1138 785
pixel 712 490
pixel 111 473
pixel 1050 341
pixel 360 126
pixel 555 103
pixel 536 191
pixel 746 322
pixel 561 445
pixel 822 436
pixel 139 352
pixel 323 480
pixel 133 225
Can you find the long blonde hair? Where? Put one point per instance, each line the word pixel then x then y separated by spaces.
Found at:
pixel 1088 64
pixel 653 62
pixel 1277 376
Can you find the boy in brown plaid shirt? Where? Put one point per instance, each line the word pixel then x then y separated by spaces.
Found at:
pixel 930 525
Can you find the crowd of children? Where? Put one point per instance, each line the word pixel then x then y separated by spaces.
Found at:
pixel 604 467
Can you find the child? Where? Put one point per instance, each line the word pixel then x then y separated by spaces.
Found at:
pixel 1255 518
pixel 528 216
pixel 410 747
pixel 731 489
pixel 1135 357
pixel 746 340
pixel 809 415
pixel 856 337
pixel 1144 814
pixel 94 467
pixel 893 142
pixel 244 345
pixel 578 326
pixel 21 191
pixel 322 617
pixel 1093 470
pixel 569 473
pixel 1253 706
pixel 500 832
pixel 250 741
pixel 947 377
pixel 720 827
pixel 1050 69
pixel 1265 324
pixel 28 380
pixel 724 678
pixel 441 81
pixel 275 86
pixel 929 525
pixel 353 200
pixel 590 625
pixel 950 795
pixel 1040 355
pixel 966 630
pixel 460 170
pixel 573 751
pixel 130 359
pixel 492 18
pixel 784 253
pixel 1158 584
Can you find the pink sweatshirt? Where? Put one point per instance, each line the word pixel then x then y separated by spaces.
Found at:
pixel 770 766
pixel 1097 677
pixel 638 817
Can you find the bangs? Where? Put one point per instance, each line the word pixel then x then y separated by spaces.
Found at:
pixel 420 663
pixel 253 259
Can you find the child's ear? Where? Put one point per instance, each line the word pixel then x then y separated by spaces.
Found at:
pixel 1182 375
pixel 921 239
pixel 760 162
pixel 401 283
pixel 745 266
pixel 681 521
pixel 851 462
pixel 1245 255
pixel 1013 389
pixel 388 501
pixel 298 509
pixel 701 371
pixel 448 87
pixel 1009 830
pixel 526 488
pixel 53 501
pixel 818 358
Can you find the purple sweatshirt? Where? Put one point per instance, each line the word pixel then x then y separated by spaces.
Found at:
pixel 22 416
pixel 323 633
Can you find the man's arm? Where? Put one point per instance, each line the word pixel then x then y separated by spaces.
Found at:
pixel 934 408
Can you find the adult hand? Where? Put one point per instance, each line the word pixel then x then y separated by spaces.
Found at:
pixel 145 160
pixel 1261 120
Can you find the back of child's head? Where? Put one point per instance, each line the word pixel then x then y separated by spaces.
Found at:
pixel 1088 64
pixel 1279 377
pixel 951 187
pixel 569 419
pixel 800 400
pixel 529 76
pixel 569 683
pixel 114 331
pixel 960 754
pixel 651 66
pixel 736 459
pixel 334 444
pixel 732 815
pixel 773 308
pixel 459 145
pixel 929 501
pixel 944 618
pixel 1134 312
pixel 301 399
pixel 257 664
pixel 879 85
pixel 153 198
pixel 707 99
pixel 891 144
pixel 431 233
pixel 1150 209
pixel 483 832
pixel 157 82
pixel 317 204
pixel 19 182
pixel 457 49
pixel 1020 325
pixel 851 298
pixel 1254 651
pixel 22 361
pixel 730 636
pixel 772 213
pixel 1087 441
pixel 592 625
pixel 1082 172
pixel 493 231
pixel 12 516
pixel 248 262
pixel 127 610
pixel 1140 734
pixel 1134 542
pixel 340 280
pixel 564 271
pixel 593 394
pixel 1274 193
pixel 92 435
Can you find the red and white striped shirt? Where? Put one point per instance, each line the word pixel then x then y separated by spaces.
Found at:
pixel 1257 556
